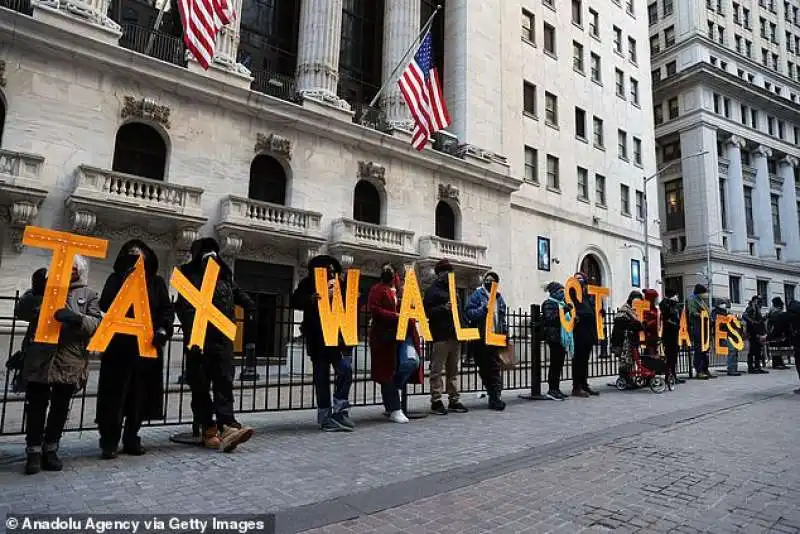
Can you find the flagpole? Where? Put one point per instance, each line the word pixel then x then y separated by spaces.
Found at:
pixel 156 26
pixel 402 61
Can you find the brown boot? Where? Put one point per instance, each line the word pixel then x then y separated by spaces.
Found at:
pixel 211 438
pixel 233 436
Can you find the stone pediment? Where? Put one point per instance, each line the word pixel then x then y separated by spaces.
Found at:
pixel 146 108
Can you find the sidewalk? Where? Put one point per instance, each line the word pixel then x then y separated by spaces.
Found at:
pixel 289 463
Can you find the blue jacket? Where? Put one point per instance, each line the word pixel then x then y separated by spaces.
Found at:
pixel 477 308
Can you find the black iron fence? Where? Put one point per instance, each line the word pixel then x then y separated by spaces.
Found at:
pixel 153 43
pixel 276 375
pixel 21 6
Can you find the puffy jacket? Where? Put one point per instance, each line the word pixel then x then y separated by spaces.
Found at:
pixel 478 307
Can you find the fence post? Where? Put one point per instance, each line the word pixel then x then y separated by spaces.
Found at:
pixel 535 333
pixel 249 370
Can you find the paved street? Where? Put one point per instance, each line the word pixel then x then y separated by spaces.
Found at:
pixel 714 456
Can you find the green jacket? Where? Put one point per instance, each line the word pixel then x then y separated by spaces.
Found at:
pixel 694 306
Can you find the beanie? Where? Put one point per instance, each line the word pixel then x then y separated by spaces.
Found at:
pixel 699 289
pixel 443 266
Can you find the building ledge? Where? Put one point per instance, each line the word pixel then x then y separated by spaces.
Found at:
pixel 719 255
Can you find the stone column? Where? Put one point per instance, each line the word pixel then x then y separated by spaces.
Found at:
pixel 224 66
pixel 87 17
pixel 734 191
pixel 788 206
pixel 401 24
pixel 762 205
pixel 318 45
pixel 701 189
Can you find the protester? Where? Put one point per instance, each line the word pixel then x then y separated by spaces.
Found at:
pixel 625 337
pixel 131 387
pixel 16 362
pixel 650 322
pixel 446 347
pixel 670 309
pixel 332 416
pixel 585 336
pixel 559 341
pixel 695 306
pixel 55 372
pixel 487 356
pixel 756 330
pixel 722 309
pixel 778 342
pixel 392 362
pixel 212 365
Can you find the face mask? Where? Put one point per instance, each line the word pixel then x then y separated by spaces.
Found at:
pixel 559 295
pixel 442 276
pixel 387 276
pixel 209 254
pixel 129 260
pixel 488 284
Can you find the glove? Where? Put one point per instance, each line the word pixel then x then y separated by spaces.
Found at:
pixel 68 317
pixel 160 338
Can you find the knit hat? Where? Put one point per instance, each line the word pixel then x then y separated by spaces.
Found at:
pixel 443 266
pixel 699 289
pixel 554 287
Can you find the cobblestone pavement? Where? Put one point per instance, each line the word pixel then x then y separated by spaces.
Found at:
pixel 289 464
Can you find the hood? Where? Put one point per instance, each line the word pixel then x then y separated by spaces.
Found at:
pixel 324 261
pixel 82 265
pixel 634 295
pixel 650 295
pixel 203 245
pixel 487 273
pixel 150 258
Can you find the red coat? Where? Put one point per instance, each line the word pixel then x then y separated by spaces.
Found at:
pixel 383 305
pixel 650 321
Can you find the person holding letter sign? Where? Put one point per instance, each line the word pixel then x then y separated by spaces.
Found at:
pixel 699 327
pixel 55 372
pixel 487 356
pixel 670 327
pixel 585 334
pixel 131 384
pixel 559 341
pixel 211 366
pixel 756 330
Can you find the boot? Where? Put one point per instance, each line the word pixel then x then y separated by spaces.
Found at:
pixel 133 446
pixel 50 459
pixel 33 461
pixel 495 402
pixel 211 437
pixel 234 435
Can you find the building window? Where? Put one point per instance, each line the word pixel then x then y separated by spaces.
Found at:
pixel 748 210
pixel 529 98
pixel 652 13
pixel 361 51
pixel 635 91
pixel 553 181
pixel 671 151
pixel 267 180
pixel 577 12
pixel 723 204
pixel 140 150
pixel 595 67
pixel 625 199
pixel 597 125
pixel 528 26
pixel 762 290
pixel 577 56
pixel 655 45
pixel 673 196
pixel 267 44
pixel 531 165
pixel 580 124
pixel 583 184
pixel 640 205
pixel 620 81
pixel 667 8
pixel 617 40
pixel 776 218
pixel 629 8
pixel 672 106
pixel 632 56
pixel 673 285
pixel 622 144
pixel 669 37
pixel 637 151
pixel 672 68
pixel 600 189
pixel 445 221
pixel 658 114
pixel 549 39
pixel 367 203
pixel 788 293
pixel 594 23
pixel 735 289
pixel 551 109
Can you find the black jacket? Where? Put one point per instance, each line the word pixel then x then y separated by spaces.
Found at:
pixel 670 320
pixel 305 298
pixel 440 317
pixel 551 322
pixel 585 332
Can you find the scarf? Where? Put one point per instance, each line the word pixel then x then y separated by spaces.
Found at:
pixel 567 338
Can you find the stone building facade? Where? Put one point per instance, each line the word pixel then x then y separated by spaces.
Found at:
pixel 109 129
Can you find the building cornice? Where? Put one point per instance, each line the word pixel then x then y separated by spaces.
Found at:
pixel 728 258
pixel 24 32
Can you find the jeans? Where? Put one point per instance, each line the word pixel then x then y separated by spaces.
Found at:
pixel 733 360
pixel 580 365
pixel 404 368
pixel 754 354
pixel 41 423
pixel 321 362
pixel 211 370
pixel 557 356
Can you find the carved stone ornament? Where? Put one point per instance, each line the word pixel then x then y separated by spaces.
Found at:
pixel 274 143
pixel 146 108
pixel 20 215
pixel 83 222
pixel 185 238
pixel 368 170
pixel 231 246
pixel 2 73
pixel 448 192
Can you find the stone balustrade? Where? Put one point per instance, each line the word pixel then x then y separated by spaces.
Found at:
pixel 438 247
pixel 19 166
pixel 266 216
pixel 350 232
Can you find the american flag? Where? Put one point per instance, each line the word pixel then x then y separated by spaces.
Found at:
pixel 202 20
pixel 422 92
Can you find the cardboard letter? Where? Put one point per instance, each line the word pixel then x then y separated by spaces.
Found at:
pixel 683 331
pixel 572 283
pixel 132 294
pixel 705 331
pixel 411 308
pixel 735 335
pixel 205 311
pixel 599 294
pixel 462 334
pixel 721 337
pixel 337 315
pixel 493 339
pixel 65 247
pixel 640 306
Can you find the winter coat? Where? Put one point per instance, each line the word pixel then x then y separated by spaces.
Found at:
pixel 553 332
pixel 478 307
pixel 585 331
pixel 650 321
pixel 694 307
pixel 66 362
pixel 383 304
pixel 777 332
pixel 670 321
pixel 754 321
pixel 625 334
pixel 440 317
pixel 122 355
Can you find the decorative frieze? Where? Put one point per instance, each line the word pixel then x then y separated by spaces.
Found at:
pixel 368 170
pixel 146 108
pixel 448 192
pixel 274 143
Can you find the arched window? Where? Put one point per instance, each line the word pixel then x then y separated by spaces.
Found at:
pixel 140 150
pixel 445 221
pixel 367 203
pixel 592 268
pixel 267 180
pixel 2 118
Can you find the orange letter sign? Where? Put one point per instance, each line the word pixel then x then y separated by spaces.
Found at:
pixel 335 315
pixel 65 247
pixel 640 306
pixel 705 334
pixel 572 283
pixel 205 311
pixel 411 308
pixel 133 294
pixel 599 294
pixel 683 332
pixel 735 334
pixel 492 338
pixel 462 334
pixel 720 335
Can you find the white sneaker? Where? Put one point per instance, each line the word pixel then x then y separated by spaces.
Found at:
pixel 398 416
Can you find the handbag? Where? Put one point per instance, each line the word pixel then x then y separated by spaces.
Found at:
pixel 508 358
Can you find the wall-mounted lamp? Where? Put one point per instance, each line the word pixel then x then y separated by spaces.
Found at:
pixel 555 260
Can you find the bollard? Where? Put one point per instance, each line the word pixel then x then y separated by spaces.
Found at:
pixel 535 333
